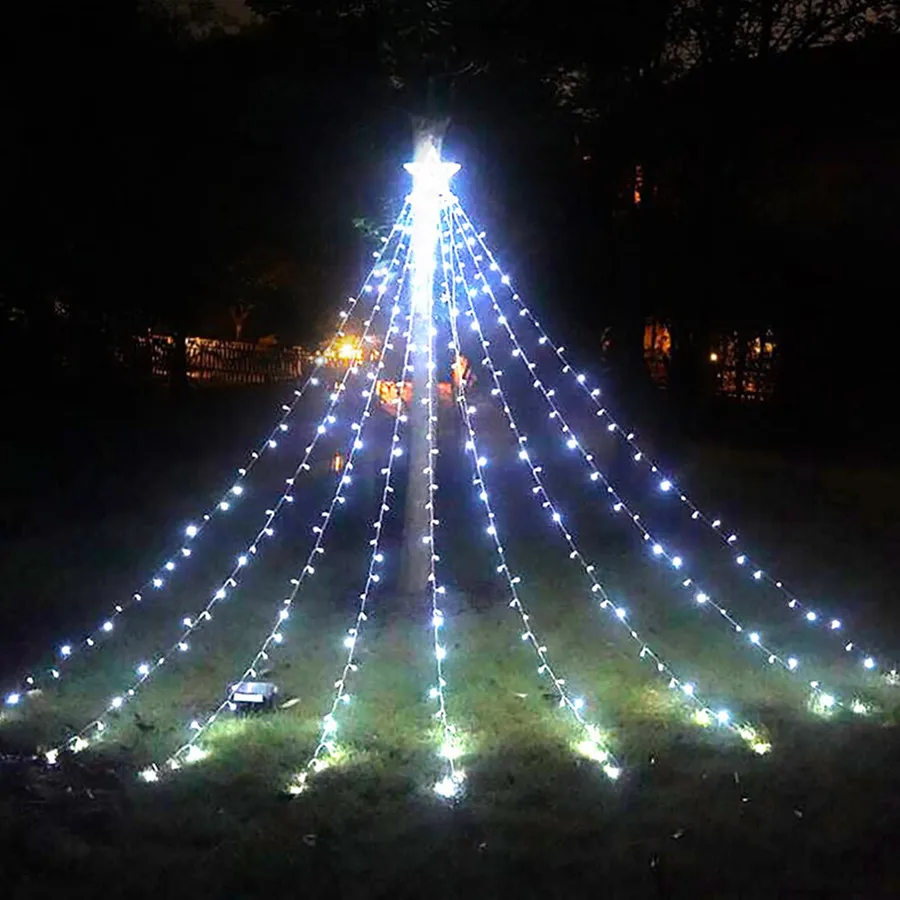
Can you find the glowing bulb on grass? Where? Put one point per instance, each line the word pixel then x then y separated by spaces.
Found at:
pixel 298 785
pixel 593 751
pixel 451 750
pixel 448 787
pixel 823 704
pixel 195 754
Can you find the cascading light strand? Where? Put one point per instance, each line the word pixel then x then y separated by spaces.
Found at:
pixel 659 551
pixel 326 747
pixel 667 484
pixel 450 783
pixel 704 713
pixel 593 744
pixel 190 750
pixel 187 549
pixel 95 728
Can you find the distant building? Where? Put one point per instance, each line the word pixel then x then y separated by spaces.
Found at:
pixel 763 233
pixel 741 362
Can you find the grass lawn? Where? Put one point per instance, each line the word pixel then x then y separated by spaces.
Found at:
pixel 694 812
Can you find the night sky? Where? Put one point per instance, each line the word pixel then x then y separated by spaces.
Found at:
pixel 161 169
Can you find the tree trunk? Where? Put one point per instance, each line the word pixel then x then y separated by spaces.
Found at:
pixel 415 561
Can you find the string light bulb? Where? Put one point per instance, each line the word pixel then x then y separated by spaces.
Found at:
pixel 658 549
pixel 545 668
pixel 628 436
pixel 393 250
pixel 317 762
pixel 271 514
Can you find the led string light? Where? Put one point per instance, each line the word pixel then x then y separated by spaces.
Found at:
pixel 326 745
pixel 702 597
pixel 145 671
pixel 593 746
pixel 190 751
pixel 704 713
pixel 162 576
pixel 666 483
pixel 450 784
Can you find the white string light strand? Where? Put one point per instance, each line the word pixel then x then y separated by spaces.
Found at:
pixel 705 714
pixel 162 576
pixel 450 784
pixel 702 597
pixel 593 746
pixel 188 751
pixel 145 671
pixel 326 744
pixel 666 483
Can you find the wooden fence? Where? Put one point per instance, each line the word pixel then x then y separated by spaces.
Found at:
pixel 222 362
